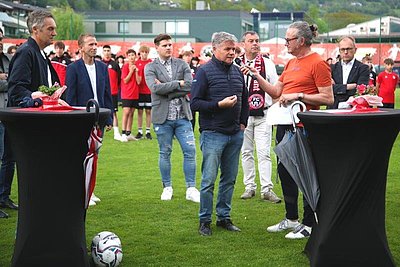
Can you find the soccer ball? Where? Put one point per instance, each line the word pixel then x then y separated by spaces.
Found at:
pixel 106 251
pixel 104 235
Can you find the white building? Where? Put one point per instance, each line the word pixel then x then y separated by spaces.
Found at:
pixel 380 27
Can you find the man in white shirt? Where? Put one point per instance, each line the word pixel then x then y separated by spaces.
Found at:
pixel 348 72
pixel 88 79
pixel 257 132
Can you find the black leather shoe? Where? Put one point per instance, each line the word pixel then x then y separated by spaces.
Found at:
pixel 205 229
pixel 3 214
pixel 9 204
pixel 228 225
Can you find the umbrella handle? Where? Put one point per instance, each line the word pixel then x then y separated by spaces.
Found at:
pixel 316 217
pixel 302 108
pixel 90 103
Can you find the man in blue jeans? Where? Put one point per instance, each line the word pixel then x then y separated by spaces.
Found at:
pixel 169 80
pixel 220 95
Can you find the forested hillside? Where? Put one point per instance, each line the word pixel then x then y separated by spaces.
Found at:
pixel 328 14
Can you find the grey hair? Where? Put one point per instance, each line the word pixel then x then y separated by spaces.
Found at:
pixel 220 37
pixel 248 33
pixel 351 38
pixel 36 18
pixel 308 32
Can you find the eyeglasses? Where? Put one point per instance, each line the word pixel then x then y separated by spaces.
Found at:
pixel 290 39
pixel 349 49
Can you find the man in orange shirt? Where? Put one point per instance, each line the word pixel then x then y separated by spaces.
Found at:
pixel 306 78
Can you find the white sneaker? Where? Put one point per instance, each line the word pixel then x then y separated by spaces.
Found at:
pixel 92 203
pixel 193 194
pixel 95 198
pixel 301 231
pixel 285 224
pixel 124 138
pixel 131 138
pixel 167 193
pixel 117 137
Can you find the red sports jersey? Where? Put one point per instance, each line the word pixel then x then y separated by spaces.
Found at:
pixel 129 90
pixel 114 72
pixel 61 70
pixel 140 64
pixel 387 84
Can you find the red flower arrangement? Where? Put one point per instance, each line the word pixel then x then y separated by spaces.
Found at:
pixel 365 97
pixel 363 89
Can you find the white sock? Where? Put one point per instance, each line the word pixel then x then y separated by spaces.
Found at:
pixel 116 130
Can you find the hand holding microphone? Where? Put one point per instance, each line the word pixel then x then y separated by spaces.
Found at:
pixel 245 69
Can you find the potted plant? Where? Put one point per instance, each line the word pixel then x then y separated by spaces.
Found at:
pixel 50 95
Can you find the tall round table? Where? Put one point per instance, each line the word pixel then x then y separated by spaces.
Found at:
pixel 351 153
pixel 49 148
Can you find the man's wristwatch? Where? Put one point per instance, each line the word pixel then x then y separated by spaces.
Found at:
pixel 300 96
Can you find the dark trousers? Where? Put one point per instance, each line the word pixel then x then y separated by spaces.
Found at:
pixel 290 189
pixel 6 170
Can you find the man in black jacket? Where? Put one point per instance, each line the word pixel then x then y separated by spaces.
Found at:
pixel 29 68
pixel 4 63
pixel 348 72
pixel 220 95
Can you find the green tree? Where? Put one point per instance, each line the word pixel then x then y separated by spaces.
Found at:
pixel 69 23
pixel 343 18
pixel 314 14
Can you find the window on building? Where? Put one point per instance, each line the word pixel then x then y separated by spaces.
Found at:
pixel 99 27
pixel 147 27
pixel 372 29
pixel 123 27
pixel 177 27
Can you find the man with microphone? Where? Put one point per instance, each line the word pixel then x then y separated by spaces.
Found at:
pixel 220 95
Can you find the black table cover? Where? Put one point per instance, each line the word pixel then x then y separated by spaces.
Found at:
pixel 351 153
pixel 49 148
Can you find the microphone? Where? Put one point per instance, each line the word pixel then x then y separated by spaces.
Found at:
pixel 239 62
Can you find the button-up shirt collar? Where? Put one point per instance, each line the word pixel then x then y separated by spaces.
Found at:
pixel 167 64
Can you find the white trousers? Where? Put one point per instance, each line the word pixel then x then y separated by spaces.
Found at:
pixel 258 134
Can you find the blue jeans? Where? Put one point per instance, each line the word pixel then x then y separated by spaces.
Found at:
pixel 183 131
pixel 219 151
pixel 7 168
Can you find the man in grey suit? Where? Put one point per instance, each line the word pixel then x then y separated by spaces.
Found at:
pixel 169 80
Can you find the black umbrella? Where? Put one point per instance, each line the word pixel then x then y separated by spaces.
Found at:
pixel 295 154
